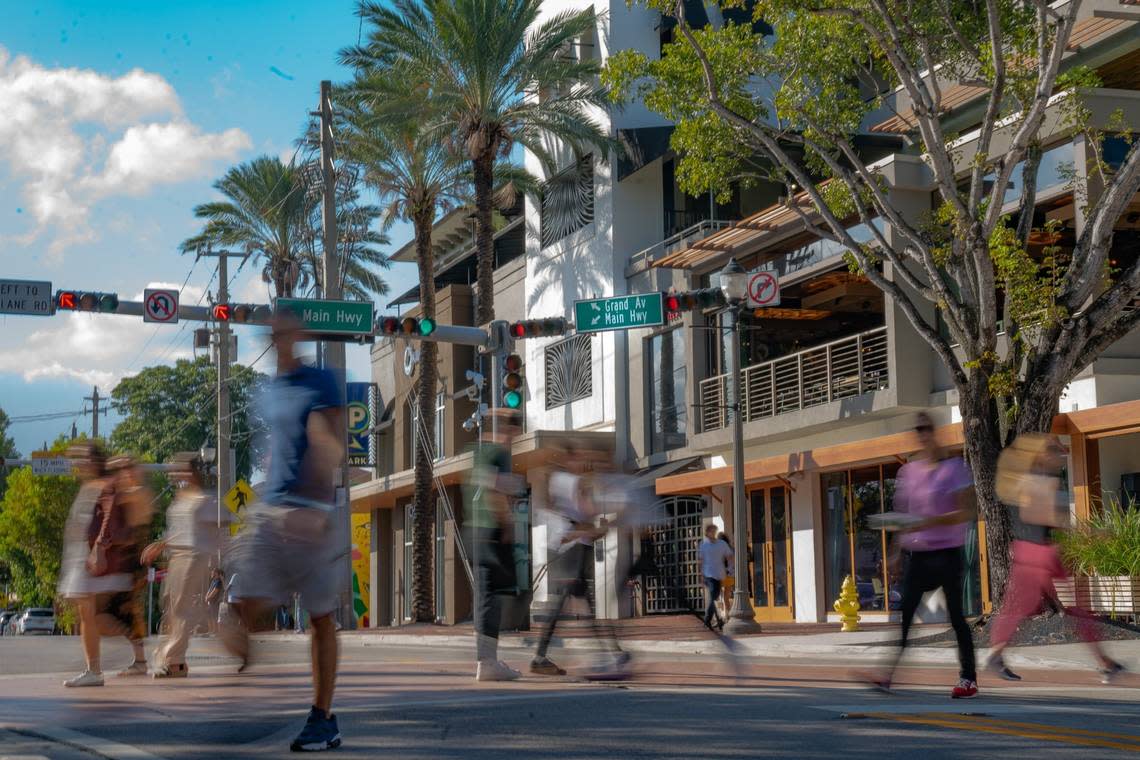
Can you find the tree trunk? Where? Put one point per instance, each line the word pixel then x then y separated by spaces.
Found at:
pixel 423 522
pixel 983 444
pixel 483 168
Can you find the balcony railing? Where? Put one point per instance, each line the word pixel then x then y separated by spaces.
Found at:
pixel 841 369
pixel 685 237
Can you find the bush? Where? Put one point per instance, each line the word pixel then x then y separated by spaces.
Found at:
pixel 1107 543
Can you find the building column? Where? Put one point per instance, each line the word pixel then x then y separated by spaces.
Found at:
pixel 807 555
pixel 1085 474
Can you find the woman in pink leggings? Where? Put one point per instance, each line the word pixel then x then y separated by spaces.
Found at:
pixel 1029 484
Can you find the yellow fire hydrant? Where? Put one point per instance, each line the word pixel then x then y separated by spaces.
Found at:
pixel 847 605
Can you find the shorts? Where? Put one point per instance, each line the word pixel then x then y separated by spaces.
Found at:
pixel 272 561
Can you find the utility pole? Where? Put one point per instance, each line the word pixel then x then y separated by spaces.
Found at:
pixel 333 351
pixel 95 398
pixel 222 460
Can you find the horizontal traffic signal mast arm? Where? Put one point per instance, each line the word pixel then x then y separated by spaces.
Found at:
pixel 110 303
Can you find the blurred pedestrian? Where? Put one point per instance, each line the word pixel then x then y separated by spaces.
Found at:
pixel 1029 484
pixel 191 542
pixel 572 499
pixel 488 494
pixel 716 557
pixel 100 561
pixel 288 544
pixel 214 598
pixel 937 488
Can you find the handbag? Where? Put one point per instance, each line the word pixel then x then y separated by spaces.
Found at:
pixel 97 560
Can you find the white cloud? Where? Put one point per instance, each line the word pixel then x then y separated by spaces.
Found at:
pixel 100 349
pixel 72 137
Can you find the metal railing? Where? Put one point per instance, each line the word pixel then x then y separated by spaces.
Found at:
pixel 841 369
pixel 685 237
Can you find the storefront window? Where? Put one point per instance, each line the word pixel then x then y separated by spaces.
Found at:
pixel 668 408
pixel 853 547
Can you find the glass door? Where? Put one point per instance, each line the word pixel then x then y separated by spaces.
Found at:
pixel 770 553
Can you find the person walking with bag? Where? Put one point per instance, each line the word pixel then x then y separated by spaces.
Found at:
pixel 716 558
pixel 100 561
pixel 1029 484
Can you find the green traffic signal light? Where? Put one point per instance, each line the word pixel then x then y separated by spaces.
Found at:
pixel 427 326
pixel 512 399
pixel 108 302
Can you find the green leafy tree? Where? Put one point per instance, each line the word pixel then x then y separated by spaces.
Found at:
pixel 32 516
pixel 268 212
pixel 499 77
pixel 791 109
pixel 7 449
pixel 171 408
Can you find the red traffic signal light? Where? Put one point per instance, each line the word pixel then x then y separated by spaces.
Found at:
pixel 672 302
pixel 74 300
pixel 389 325
pixel 539 328
pixel 222 312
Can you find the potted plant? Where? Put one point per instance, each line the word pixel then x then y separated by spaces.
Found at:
pixel 1103 552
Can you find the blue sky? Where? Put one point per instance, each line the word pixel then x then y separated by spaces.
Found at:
pixel 118 118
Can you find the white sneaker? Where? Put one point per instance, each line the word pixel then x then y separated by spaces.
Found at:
pixel 136 668
pixel 495 670
pixel 86 678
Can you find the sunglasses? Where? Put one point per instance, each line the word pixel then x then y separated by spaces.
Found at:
pixel 924 428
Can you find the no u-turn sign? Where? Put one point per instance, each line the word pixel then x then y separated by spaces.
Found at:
pixel 160 305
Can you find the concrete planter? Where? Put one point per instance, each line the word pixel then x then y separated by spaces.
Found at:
pixel 1115 595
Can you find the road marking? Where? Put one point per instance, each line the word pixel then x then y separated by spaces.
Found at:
pixel 93 744
pixel 1060 734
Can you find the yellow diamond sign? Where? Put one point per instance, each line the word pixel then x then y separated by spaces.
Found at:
pixel 239 497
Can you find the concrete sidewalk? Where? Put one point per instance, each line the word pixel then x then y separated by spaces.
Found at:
pixel 785 642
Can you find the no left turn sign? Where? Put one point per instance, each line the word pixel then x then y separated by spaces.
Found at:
pixel 763 290
pixel 160 305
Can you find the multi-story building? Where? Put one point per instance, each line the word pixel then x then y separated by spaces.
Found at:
pixel 832 376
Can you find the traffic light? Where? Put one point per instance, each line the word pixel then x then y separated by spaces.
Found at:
pixel 410 326
pixel 222 312
pixel 705 298
pixel 74 300
pixel 539 328
pixel 245 313
pixel 512 381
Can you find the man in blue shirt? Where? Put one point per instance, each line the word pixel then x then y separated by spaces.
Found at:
pixel 288 545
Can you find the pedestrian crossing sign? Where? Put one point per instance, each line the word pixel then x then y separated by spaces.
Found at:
pixel 239 497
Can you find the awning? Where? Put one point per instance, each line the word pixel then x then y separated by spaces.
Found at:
pixel 647 479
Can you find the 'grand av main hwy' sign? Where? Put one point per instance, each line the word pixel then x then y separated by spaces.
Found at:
pixel 316 315
pixel 619 312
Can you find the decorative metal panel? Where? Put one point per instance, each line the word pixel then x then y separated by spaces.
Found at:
pixel 567 201
pixel 569 371
pixel 676 542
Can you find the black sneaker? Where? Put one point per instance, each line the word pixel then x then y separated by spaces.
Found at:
pixel 319 734
pixel 1107 674
pixel 997 666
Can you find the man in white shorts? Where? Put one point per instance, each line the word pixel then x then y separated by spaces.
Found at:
pixel 288 545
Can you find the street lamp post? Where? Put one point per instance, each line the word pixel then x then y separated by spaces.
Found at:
pixel 742 618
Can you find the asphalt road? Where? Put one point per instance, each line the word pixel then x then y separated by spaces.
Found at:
pixel 417 702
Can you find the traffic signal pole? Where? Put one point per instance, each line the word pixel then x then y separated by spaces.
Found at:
pixel 222 460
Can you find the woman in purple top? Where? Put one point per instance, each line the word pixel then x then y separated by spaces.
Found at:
pixel 939 489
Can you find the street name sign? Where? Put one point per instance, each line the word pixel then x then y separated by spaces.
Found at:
pixel 28 297
pixel 323 316
pixel 160 305
pixel 46 463
pixel 619 312
pixel 763 289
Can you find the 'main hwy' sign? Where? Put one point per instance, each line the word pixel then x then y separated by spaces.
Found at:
pixel 316 315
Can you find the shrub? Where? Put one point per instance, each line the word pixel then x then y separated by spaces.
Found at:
pixel 1107 543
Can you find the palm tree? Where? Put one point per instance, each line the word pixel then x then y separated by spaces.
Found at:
pixel 497 79
pixel 267 212
pixel 416 177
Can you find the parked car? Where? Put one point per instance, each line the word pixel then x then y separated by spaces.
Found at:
pixel 6 618
pixel 37 620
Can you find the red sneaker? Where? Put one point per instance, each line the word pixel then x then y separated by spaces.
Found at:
pixel 966 689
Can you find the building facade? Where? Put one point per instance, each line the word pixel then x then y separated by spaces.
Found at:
pixel 832 377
